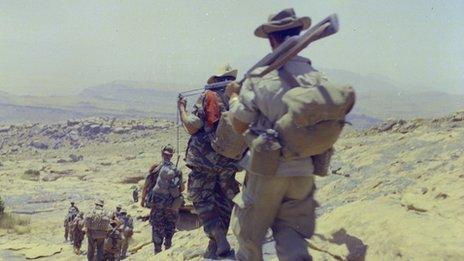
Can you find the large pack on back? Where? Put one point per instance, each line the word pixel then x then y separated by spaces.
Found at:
pixel 315 117
pixel 98 220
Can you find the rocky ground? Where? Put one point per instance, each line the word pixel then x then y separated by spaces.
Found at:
pixel 395 192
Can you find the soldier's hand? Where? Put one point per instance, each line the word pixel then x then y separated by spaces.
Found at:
pixel 181 102
pixel 232 88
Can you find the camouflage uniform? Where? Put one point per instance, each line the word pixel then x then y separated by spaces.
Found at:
pixel 72 213
pixel 166 189
pixel 78 233
pixel 96 238
pixel 113 245
pixel 211 182
pixel 127 229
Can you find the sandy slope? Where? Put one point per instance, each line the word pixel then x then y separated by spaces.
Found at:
pixel 396 193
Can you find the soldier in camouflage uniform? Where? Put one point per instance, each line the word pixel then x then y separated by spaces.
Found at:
pixel 72 213
pixel 211 184
pixel 78 232
pixel 127 229
pixel 113 242
pixel 96 237
pixel 163 187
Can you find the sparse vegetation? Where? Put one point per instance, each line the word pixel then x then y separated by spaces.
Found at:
pixel 15 223
pixel 31 174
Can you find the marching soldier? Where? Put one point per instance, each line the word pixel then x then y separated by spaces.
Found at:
pixel 113 241
pixel 163 193
pixel 127 228
pixel 212 184
pixel 78 232
pixel 97 225
pixel 282 200
pixel 72 213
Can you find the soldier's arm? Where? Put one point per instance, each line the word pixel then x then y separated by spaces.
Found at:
pixel 191 122
pixel 242 107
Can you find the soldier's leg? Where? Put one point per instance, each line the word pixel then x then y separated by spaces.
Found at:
pixel 257 206
pixel 157 223
pixel 66 231
pixel 228 188
pixel 71 233
pixel 170 227
pixel 295 220
pixel 124 247
pixel 201 188
pixel 100 250
pixel 90 248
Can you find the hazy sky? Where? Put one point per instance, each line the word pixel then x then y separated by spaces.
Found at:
pixel 61 47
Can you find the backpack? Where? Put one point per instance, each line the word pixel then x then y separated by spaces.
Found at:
pixel 315 117
pixel 226 141
pixel 98 220
pixel 150 197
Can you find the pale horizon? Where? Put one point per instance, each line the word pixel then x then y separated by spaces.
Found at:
pixel 61 47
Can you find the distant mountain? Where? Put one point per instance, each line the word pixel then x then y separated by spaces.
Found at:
pixel 378 98
pixel 381 98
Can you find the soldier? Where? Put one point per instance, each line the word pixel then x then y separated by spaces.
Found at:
pixel 127 228
pixel 117 213
pixel 113 241
pixel 211 184
pixel 72 213
pixel 282 200
pixel 163 188
pixel 97 225
pixel 135 194
pixel 78 232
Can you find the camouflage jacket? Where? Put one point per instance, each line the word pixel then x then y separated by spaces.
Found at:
pixel 200 155
pixel 113 241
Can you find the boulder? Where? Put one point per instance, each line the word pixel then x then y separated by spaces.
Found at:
pixel 39 145
pixel 76 158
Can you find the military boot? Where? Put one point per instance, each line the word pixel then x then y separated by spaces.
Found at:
pixel 157 249
pixel 210 252
pixel 223 246
pixel 167 243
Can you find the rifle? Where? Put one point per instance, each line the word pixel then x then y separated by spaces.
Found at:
pixel 282 54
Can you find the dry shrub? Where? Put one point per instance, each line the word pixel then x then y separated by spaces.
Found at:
pixel 31 174
pixel 15 223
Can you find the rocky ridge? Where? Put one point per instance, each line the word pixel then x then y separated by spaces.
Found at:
pixel 394 192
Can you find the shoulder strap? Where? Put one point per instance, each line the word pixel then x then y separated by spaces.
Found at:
pixel 288 77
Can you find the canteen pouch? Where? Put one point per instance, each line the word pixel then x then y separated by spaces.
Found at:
pixel 264 153
pixel 226 141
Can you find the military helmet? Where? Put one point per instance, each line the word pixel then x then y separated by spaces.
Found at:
pixel 119 206
pixel 72 202
pixel 168 149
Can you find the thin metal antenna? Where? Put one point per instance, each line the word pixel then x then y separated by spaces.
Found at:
pixel 178 133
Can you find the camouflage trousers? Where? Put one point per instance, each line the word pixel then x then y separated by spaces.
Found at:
pixel 211 194
pixel 163 222
pixel 78 238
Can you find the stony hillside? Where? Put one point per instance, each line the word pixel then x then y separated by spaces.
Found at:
pixel 395 192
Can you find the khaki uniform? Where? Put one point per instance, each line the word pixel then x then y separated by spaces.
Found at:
pixel 283 201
